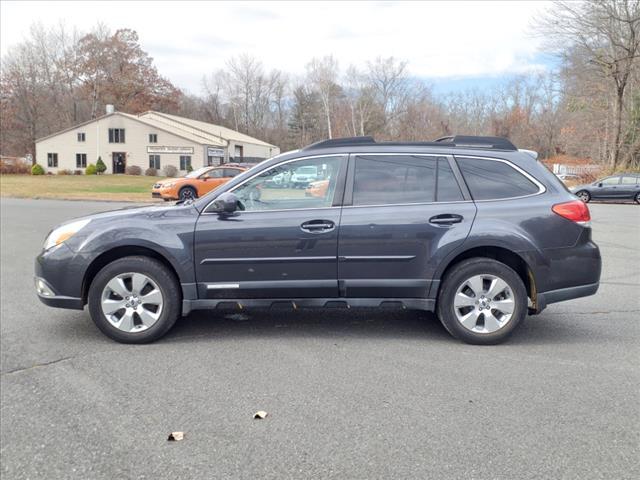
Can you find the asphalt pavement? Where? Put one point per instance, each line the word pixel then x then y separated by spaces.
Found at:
pixel 350 394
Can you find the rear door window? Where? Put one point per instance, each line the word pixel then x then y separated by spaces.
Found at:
pixel 493 180
pixel 403 179
pixel 611 181
pixel 628 180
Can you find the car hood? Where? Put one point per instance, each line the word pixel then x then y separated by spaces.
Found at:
pixel 148 211
pixel 170 180
pixel 584 186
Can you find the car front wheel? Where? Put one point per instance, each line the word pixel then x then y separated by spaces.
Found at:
pixel 188 193
pixel 134 300
pixel 482 301
pixel 584 196
pixel 637 198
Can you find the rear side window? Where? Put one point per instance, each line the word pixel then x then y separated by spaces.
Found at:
pixel 629 180
pixel 389 180
pixel 231 172
pixel 492 180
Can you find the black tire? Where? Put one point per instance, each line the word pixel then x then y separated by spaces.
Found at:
pixel 584 196
pixel 637 198
pixel 188 193
pixel 166 282
pixel 464 270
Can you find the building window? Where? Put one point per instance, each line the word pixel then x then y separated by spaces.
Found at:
pixel 81 160
pixel 238 152
pixel 116 135
pixel 154 161
pixel 185 162
pixel 153 138
pixel 52 160
pixel 81 137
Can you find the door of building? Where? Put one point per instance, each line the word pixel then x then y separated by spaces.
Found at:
pixel 119 162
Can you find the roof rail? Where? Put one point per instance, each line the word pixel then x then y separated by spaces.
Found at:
pixel 499 143
pixel 461 141
pixel 340 142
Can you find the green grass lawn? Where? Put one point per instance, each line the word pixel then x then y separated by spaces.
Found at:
pixel 78 187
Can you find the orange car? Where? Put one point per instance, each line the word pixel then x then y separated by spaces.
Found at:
pixel 195 184
pixel 317 189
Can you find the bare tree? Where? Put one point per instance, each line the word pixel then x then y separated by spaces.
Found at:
pixel 322 74
pixel 391 86
pixel 606 34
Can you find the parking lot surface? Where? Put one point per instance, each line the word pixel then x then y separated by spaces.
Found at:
pixel 350 394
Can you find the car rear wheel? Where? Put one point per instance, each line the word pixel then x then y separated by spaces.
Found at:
pixel 482 301
pixel 637 198
pixel 134 300
pixel 584 196
pixel 188 193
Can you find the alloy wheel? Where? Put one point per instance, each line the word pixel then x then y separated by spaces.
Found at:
pixel 584 196
pixel 132 302
pixel 484 303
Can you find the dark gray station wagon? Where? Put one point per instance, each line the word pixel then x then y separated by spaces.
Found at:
pixel 468 227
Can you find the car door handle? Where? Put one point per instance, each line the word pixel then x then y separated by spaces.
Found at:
pixel 446 219
pixel 318 226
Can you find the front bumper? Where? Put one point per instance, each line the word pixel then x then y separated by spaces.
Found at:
pixel 48 296
pixel 59 274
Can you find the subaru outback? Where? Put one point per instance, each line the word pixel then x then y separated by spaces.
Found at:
pixel 470 228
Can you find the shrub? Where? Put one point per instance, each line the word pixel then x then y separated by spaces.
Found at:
pixel 189 168
pixel 133 170
pixel 77 172
pixel 100 166
pixel 37 169
pixel 170 171
pixel 151 172
pixel 16 167
pixel 65 171
pixel 91 169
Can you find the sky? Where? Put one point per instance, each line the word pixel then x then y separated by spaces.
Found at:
pixel 453 45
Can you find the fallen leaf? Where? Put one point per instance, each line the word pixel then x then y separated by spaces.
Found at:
pixel 175 436
pixel 260 415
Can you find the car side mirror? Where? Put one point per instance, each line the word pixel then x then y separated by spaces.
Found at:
pixel 227 204
pixel 600 184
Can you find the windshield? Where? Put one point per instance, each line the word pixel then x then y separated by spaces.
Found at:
pixel 197 173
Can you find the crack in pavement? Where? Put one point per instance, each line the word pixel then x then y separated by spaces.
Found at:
pixel 37 365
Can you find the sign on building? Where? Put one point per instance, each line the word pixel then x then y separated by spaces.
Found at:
pixel 165 149
pixel 215 152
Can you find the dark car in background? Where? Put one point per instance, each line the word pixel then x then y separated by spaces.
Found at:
pixel 468 227
pixel 618 187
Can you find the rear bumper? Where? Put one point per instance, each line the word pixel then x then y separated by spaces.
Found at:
pixel 569 293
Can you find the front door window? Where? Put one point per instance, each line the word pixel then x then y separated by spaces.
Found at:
pixel 309 183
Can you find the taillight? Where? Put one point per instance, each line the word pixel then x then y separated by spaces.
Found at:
pixel 576 211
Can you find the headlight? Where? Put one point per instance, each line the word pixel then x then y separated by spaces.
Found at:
pixel 64 232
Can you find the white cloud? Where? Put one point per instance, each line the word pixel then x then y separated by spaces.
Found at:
pixel 190 39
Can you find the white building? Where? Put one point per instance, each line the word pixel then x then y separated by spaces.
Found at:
pixel 151 139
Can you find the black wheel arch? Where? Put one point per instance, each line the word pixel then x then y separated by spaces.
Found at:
pixel 117 253
pixel 498 253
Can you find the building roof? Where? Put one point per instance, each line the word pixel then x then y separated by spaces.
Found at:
pixel 217 130
pixel 201 137
pixel 193 130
